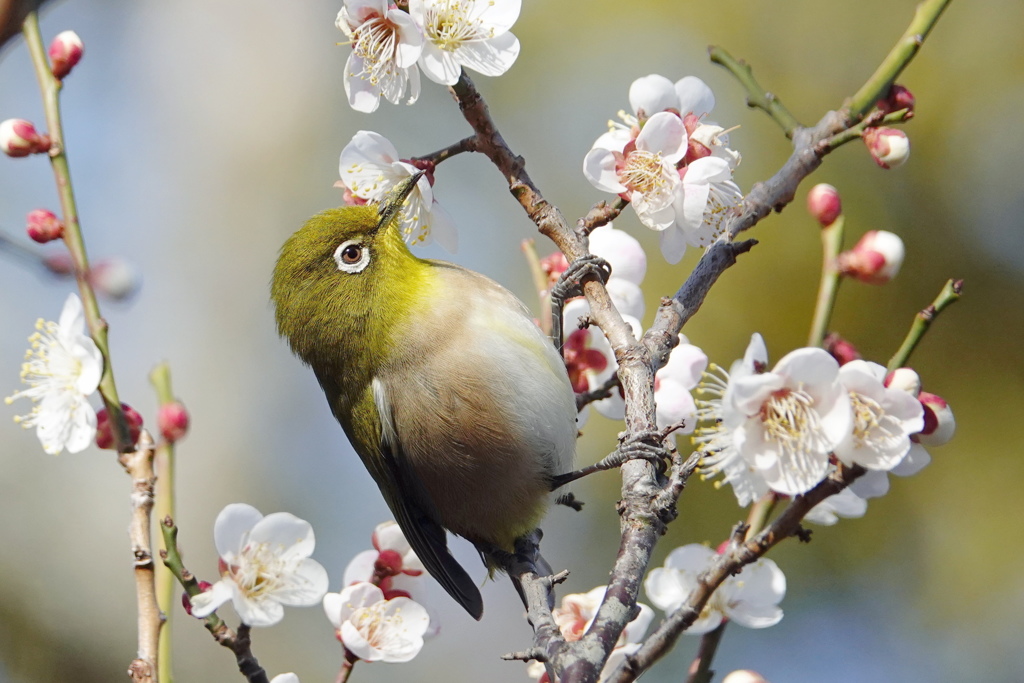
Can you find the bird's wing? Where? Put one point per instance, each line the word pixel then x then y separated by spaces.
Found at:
pixel 407 498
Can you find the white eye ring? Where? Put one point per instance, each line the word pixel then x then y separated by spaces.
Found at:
pixel 352 256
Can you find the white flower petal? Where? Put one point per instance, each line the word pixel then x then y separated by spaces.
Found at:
pixel 664 134
pixel 673 244
pixel 204 604
pixel 490 57
pixel 694 96
pixel 291 535
pixel 599 167
pixel 652 94
pixel 231 528
pixel 622 251
pixel 439 65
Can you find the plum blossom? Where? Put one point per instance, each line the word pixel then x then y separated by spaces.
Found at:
pixel 779 426
pixel 265 564
pixel 883 418
pixel 373 628
pixel 466 33
pixel 701 190
pixel 370 168
pixel 750 598
pixel 705 196
pixel 385 47
pixel 641 169
pixel 574 617
pixel 62 368
pixel 875 259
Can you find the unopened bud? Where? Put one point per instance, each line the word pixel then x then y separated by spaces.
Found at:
pixel 939 424
pixel 840 349
pixel 172 419
pixel 904 379
pixel 114 278
pixel 889 147
pixel 59 264
pixel 19 138
pixel 824 204
pixel 898 98
pixel 186 602
pixel 744 676
pixel 44 226
pixel 875 259
pixel 65 51
pixel 388 563
pixel 105 430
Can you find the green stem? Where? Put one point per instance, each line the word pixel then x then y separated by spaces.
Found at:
pixel 856 132
pixel 160 378
pixel 831 243
pixel 923 320
pixel 50 88
pixel 540 283
pixel 877 87
pixel 756 95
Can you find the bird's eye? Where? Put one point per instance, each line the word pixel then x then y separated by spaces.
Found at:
pixel 352 256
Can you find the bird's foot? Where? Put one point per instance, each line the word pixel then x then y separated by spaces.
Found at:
pixel 644 445
pixel 570 285
pixel 570 500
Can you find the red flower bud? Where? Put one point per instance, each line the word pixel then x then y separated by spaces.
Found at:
pixel 44 226
pixel 840 349
pixel 18 138
pixel 105 430
pixel 65 51
pixel 875 259
pixel 824 204
pixel 173 420
pixel 388 563
pixel 898 98
pixel 889 147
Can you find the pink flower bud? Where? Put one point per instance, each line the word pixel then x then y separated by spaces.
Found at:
pixel 824 204
pixel 744 676
pixel 114 278
pixel 939 424
pixel 186 602
pixel 59 264
pixel 44 226
pixel 172 419
pixel 18 138
pixel 889 147
pixel 105 430
pixel 904 379
pixel 65 52
pixel 898 98
pixel 840 349
pixel 388 563
pixel 875 259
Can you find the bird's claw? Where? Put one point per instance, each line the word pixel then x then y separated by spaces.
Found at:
pixel 570 284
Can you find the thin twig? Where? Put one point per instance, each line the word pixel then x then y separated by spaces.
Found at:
pixel 757 97
pixel 950 294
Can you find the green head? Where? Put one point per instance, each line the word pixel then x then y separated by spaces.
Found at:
pixel 342 283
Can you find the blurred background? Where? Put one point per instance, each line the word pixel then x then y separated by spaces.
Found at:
pixel 201 134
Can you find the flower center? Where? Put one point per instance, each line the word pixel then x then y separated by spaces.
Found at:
pixel 376 43
pixel 644 172
pixel 449 26
pixel 872 427
pixel 374 624
pixel 790 421
pixel 258 571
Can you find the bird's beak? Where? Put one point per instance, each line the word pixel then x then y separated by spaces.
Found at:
pixel 392 203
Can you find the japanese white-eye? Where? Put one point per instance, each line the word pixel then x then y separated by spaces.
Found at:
pixel 456 402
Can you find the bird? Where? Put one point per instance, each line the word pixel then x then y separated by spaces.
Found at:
pixel 457 403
